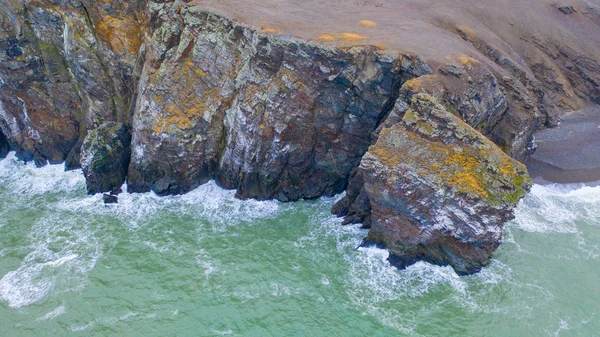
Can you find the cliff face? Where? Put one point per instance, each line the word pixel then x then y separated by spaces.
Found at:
pixel 268 117
pixel 288 111
pixel 66 67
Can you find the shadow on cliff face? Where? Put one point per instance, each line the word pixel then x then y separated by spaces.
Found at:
pixel 4 146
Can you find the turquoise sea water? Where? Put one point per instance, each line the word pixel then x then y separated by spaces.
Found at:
pixel 206 264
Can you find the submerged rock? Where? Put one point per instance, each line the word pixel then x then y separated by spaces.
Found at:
pixel 105 157
pixel 110 199
pixel 440 191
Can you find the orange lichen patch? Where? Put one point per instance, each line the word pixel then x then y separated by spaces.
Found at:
pixel 382 47
pixel 268 30
pixel 191 67
pixel 180 114
pixel 325 38
pixel 465 176
pixel 386 155
pixel 466 33
pixel 352 37
pixel 414 85
pixel 183 110
pixel 462 60
pixel 467 182
pixel 367 23
pixel 123 34
pixel 466 60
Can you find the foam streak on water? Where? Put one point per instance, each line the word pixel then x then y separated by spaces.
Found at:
pixel 210 263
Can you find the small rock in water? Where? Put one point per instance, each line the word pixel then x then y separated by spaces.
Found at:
pixel 110 199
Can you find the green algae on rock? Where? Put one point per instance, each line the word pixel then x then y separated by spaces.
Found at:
pixel 105 157
pixel 440 191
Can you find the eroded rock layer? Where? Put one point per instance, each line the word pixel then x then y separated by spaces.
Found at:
pixel 65 68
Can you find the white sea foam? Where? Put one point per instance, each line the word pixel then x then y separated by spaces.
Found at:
pixel 77 328
pixel 53 314
pixel 555 208
pixel 64 245
pixel 22 178
pixel 63 253
pixel 218 206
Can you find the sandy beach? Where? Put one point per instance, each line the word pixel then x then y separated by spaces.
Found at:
pixel 569 153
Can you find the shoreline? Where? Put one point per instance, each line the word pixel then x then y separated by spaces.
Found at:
pixel 569 153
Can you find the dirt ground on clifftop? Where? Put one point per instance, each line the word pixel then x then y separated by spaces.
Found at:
pixel 426 27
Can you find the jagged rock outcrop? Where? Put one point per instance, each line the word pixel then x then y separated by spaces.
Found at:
pixel 65 68
pixel 440 191
pixel 272 118
pixel 468 89
pixel 105 155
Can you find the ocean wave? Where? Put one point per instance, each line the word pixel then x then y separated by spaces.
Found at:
pixel 63 252
pixel 21 178
pixel 557 208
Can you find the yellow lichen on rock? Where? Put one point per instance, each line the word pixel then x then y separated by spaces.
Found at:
pixel 352 37
pixel 414 85
pixel 387 156
pixel 466 33
pixel 463 60
pixel 123 34
pixel 268 30
pixel 367 23
pixel 325 38
pixel 191 104
pixel 464 173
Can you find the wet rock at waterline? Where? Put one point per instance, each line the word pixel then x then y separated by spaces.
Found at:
pixel 440 191
pixel 105 157
pixel 110 199
pixel 4 146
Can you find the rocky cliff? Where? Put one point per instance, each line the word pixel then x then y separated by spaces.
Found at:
pixel 439 190
pixel 284 103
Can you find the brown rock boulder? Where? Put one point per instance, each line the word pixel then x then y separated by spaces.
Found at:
pixel 440 191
